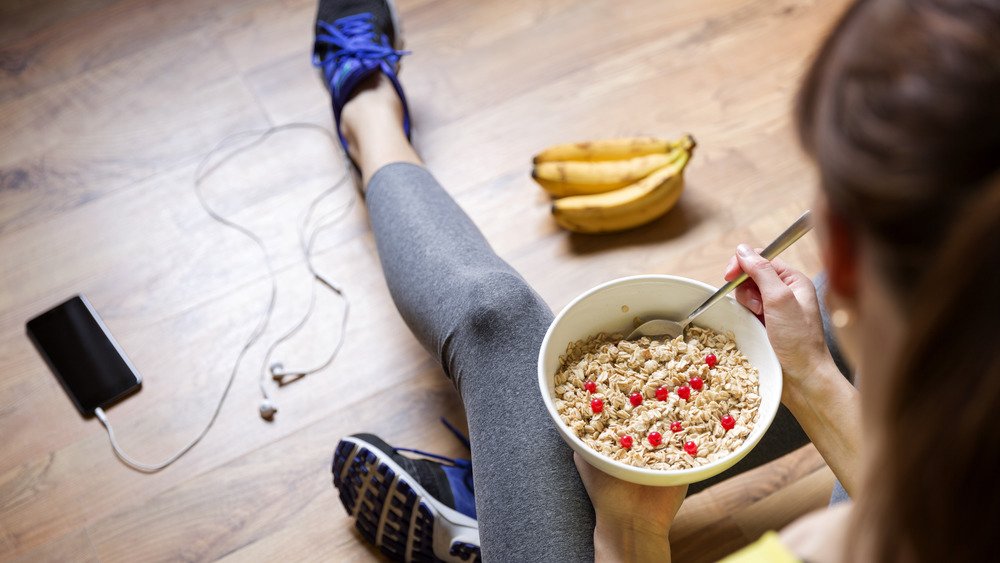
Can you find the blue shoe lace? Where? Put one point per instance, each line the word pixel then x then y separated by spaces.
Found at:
pixel 354 38
pixel 457 462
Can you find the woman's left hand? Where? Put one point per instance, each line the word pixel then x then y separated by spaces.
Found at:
pixel 633 521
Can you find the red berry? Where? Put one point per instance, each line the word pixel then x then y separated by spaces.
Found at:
pixel 691 448
pixel 635 399
pixel 590 386
pixel 727 422
pixel 655 439
pixel 675 426
pixel 661 393
pixel 597 406
pixel 684 392
pixel 626 442
pixel 696 383
pixel 711 360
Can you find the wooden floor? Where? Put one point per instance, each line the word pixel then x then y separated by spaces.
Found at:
pixel 106 106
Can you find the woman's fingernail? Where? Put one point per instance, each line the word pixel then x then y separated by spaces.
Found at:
pixel 744 250
pixel 756 306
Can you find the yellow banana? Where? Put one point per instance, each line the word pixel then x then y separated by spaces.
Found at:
pixel 624 208
pixel 576 177
pixel 607 149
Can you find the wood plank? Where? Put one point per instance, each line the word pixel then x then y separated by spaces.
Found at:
pixel 74 547
pixel 730 515
pixel 264 491
pixel 23 18
pixel 154 239
pixel 724 499
pixel 48 42
pixel 80 139
pixel 809 493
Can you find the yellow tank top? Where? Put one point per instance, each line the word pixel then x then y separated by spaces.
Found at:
pixel 768 549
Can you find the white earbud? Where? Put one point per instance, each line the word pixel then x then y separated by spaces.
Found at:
pixel 268 409
pixel 278 373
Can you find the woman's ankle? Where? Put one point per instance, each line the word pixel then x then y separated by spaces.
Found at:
pixel 374 111
pixel 372 123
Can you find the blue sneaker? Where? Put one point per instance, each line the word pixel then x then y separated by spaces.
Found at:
pixel 354 40
pixel 410 509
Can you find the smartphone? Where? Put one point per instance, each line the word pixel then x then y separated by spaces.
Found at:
pixel 83 355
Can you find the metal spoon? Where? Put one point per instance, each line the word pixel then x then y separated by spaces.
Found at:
pixel 673 329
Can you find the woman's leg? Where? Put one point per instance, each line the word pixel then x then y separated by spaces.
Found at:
pixel 485 324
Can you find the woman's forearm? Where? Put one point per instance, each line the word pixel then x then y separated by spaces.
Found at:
pixel 618 542
pixel 828 408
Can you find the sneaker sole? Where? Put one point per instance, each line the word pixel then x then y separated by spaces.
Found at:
pixel 395 514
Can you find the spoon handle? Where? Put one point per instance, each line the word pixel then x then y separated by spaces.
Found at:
pixel 794 232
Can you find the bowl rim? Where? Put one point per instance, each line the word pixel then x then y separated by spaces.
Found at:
pixel 547 396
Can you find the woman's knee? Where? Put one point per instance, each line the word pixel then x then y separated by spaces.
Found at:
pixel 499 301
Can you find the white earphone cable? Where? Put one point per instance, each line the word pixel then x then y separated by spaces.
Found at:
pixel 202 172
pixel 323 223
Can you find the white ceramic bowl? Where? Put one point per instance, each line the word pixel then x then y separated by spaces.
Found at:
pixel 611 307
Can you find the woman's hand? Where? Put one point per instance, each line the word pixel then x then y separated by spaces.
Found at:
pixel 821 399
pixel 785 300
pixel 633 521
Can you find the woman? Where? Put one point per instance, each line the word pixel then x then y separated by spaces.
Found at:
pixel 901 113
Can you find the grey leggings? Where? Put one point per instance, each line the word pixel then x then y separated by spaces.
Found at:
pixel 485 324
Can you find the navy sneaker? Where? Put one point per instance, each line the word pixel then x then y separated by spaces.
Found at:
pixel 354 40
pixel 410 509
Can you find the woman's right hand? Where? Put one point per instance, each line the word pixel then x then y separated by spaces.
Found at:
pixel 785 300
pixel 821 399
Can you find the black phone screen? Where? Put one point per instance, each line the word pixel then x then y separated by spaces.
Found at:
pixel 83 355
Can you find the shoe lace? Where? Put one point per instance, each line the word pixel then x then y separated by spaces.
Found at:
pixel 457 462
pixel 354 37
pixel 464 463
pixel 458 433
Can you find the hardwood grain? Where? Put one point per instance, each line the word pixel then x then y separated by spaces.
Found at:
pixel 73 547
pixel 106 106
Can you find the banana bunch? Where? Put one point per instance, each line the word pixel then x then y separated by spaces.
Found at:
pixel 613 185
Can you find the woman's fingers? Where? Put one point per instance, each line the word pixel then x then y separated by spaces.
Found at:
pixel 800 284
pixel 786 272
pixel 762 272
pixel 733 268
pixel 781 266
pixel 748 295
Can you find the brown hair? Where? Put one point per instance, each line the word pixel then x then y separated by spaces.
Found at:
pixel 901 111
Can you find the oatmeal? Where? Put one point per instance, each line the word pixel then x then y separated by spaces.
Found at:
pixel 673 404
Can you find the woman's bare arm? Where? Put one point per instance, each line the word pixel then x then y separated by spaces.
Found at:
pixel 825 404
